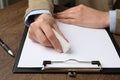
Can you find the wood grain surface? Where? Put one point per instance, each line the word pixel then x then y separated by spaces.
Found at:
pixel 11 31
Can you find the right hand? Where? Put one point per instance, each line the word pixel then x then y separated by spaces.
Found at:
pixel 40 31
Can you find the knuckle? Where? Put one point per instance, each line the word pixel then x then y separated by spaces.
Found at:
pixel 81 7
pixel 81 10
pixel 41 20
pixel 32 24
pixel 31 28
pixel 43 41
pixel 51 36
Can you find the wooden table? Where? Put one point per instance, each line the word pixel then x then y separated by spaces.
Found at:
pixel 11 30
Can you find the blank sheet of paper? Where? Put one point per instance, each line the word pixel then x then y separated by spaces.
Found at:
pixel 86 45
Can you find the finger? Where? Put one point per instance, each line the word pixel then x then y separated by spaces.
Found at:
pixel 36 34
pixel 51 37
pixel 31 35
pixel 31 32
pixel 42 39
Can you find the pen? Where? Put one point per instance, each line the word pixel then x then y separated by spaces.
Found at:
pixel 6 48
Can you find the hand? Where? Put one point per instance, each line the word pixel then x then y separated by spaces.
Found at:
pixel 82 15
pixel 41 31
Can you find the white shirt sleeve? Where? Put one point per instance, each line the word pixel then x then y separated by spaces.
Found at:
pixel 112 20
pixel 27 19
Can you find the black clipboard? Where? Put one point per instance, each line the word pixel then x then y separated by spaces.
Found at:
pixel 38 70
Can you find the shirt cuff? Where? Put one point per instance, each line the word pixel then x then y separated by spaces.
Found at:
pixel 112 20
pixel 29 20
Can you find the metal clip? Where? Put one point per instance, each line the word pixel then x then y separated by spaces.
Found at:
pixel 72 71
pixel 72 74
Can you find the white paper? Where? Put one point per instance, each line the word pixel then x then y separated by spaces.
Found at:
pixel 86 44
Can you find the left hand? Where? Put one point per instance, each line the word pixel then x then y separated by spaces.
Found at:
pixel 82 15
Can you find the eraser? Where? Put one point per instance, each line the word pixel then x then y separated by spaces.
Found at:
pixel 65 45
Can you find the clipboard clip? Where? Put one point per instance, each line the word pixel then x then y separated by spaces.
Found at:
pixel 72 71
